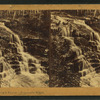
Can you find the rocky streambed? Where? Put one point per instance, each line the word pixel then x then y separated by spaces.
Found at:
pixel 76 53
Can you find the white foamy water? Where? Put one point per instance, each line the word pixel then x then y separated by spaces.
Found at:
pixel 89 77
pixel 27 61
pixel 96 35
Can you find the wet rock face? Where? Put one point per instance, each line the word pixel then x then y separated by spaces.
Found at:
pixel 75 54
pixel 9 48
pixel 13 60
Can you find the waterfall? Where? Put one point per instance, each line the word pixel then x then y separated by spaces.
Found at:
pixel 17 45
pixel 66 29
pixel 17 62
pixel 77 55
pixel 94 35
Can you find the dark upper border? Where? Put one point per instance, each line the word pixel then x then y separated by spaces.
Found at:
pixel 49 1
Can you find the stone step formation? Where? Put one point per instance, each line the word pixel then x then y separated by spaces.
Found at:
pixel 80 36
pixel 14 61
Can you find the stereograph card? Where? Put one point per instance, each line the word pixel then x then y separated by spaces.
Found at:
pixel 49 50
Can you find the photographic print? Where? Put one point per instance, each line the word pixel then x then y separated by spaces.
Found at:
pixel 24 48
pixel 75 48
pixel 49 50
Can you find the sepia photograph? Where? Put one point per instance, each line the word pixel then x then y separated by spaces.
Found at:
pixel 75 36
pixel 49 50
pixel 24 48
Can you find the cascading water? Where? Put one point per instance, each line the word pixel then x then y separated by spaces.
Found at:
pixel 94 35
pixel 66 31
pixel 85 66
pixel 76 54
pixel 19 63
